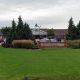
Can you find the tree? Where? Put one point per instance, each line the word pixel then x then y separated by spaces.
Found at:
pixel 19 28
pixel 72 31
pixel 23 30
pixel 5 31
pixel 12 34
pixel 27 34
pixel 13 30
pixel 78 28
pixel 19 32
pixel 51 32
pixel 78 25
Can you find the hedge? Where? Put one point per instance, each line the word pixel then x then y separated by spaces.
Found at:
pixel 28 44
pixel 74 43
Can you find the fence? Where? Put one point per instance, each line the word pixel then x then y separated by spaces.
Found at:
pixel 52 44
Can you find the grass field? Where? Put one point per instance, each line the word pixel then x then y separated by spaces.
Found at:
pixel 16 63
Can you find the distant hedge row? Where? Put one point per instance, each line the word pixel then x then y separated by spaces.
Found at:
pixel 73 43
pixel 27 44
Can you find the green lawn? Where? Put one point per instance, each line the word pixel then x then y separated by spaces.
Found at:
pixel 15 63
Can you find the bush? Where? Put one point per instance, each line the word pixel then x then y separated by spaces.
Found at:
pixel 74 43
pixel 28 44
pixel 6 45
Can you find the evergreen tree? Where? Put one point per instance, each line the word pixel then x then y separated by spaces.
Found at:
pixel 8 39
pixel 13 30
pixel 19 32
pixel 51 32
pixel 12 33
pixel 72 31
pixel 19 28
pixel 27 32
pixel 5 31
pixel 71 25
pixel 78 28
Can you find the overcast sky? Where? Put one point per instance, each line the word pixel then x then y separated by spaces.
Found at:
pixel 46 13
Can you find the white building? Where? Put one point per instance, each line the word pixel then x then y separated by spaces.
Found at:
pixel 39 33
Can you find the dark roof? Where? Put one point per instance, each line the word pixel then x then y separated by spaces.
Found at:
pixel 60 31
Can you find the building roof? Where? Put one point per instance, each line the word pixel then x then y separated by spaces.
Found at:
pixel 60 31
pixel 38 32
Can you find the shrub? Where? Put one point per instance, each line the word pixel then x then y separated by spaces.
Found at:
pixel 74 43
pixel 6 45
pixel 28 44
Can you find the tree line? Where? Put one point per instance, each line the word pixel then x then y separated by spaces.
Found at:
pixel 22 31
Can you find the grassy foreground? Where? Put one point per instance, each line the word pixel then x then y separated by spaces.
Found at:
pixel 17 63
